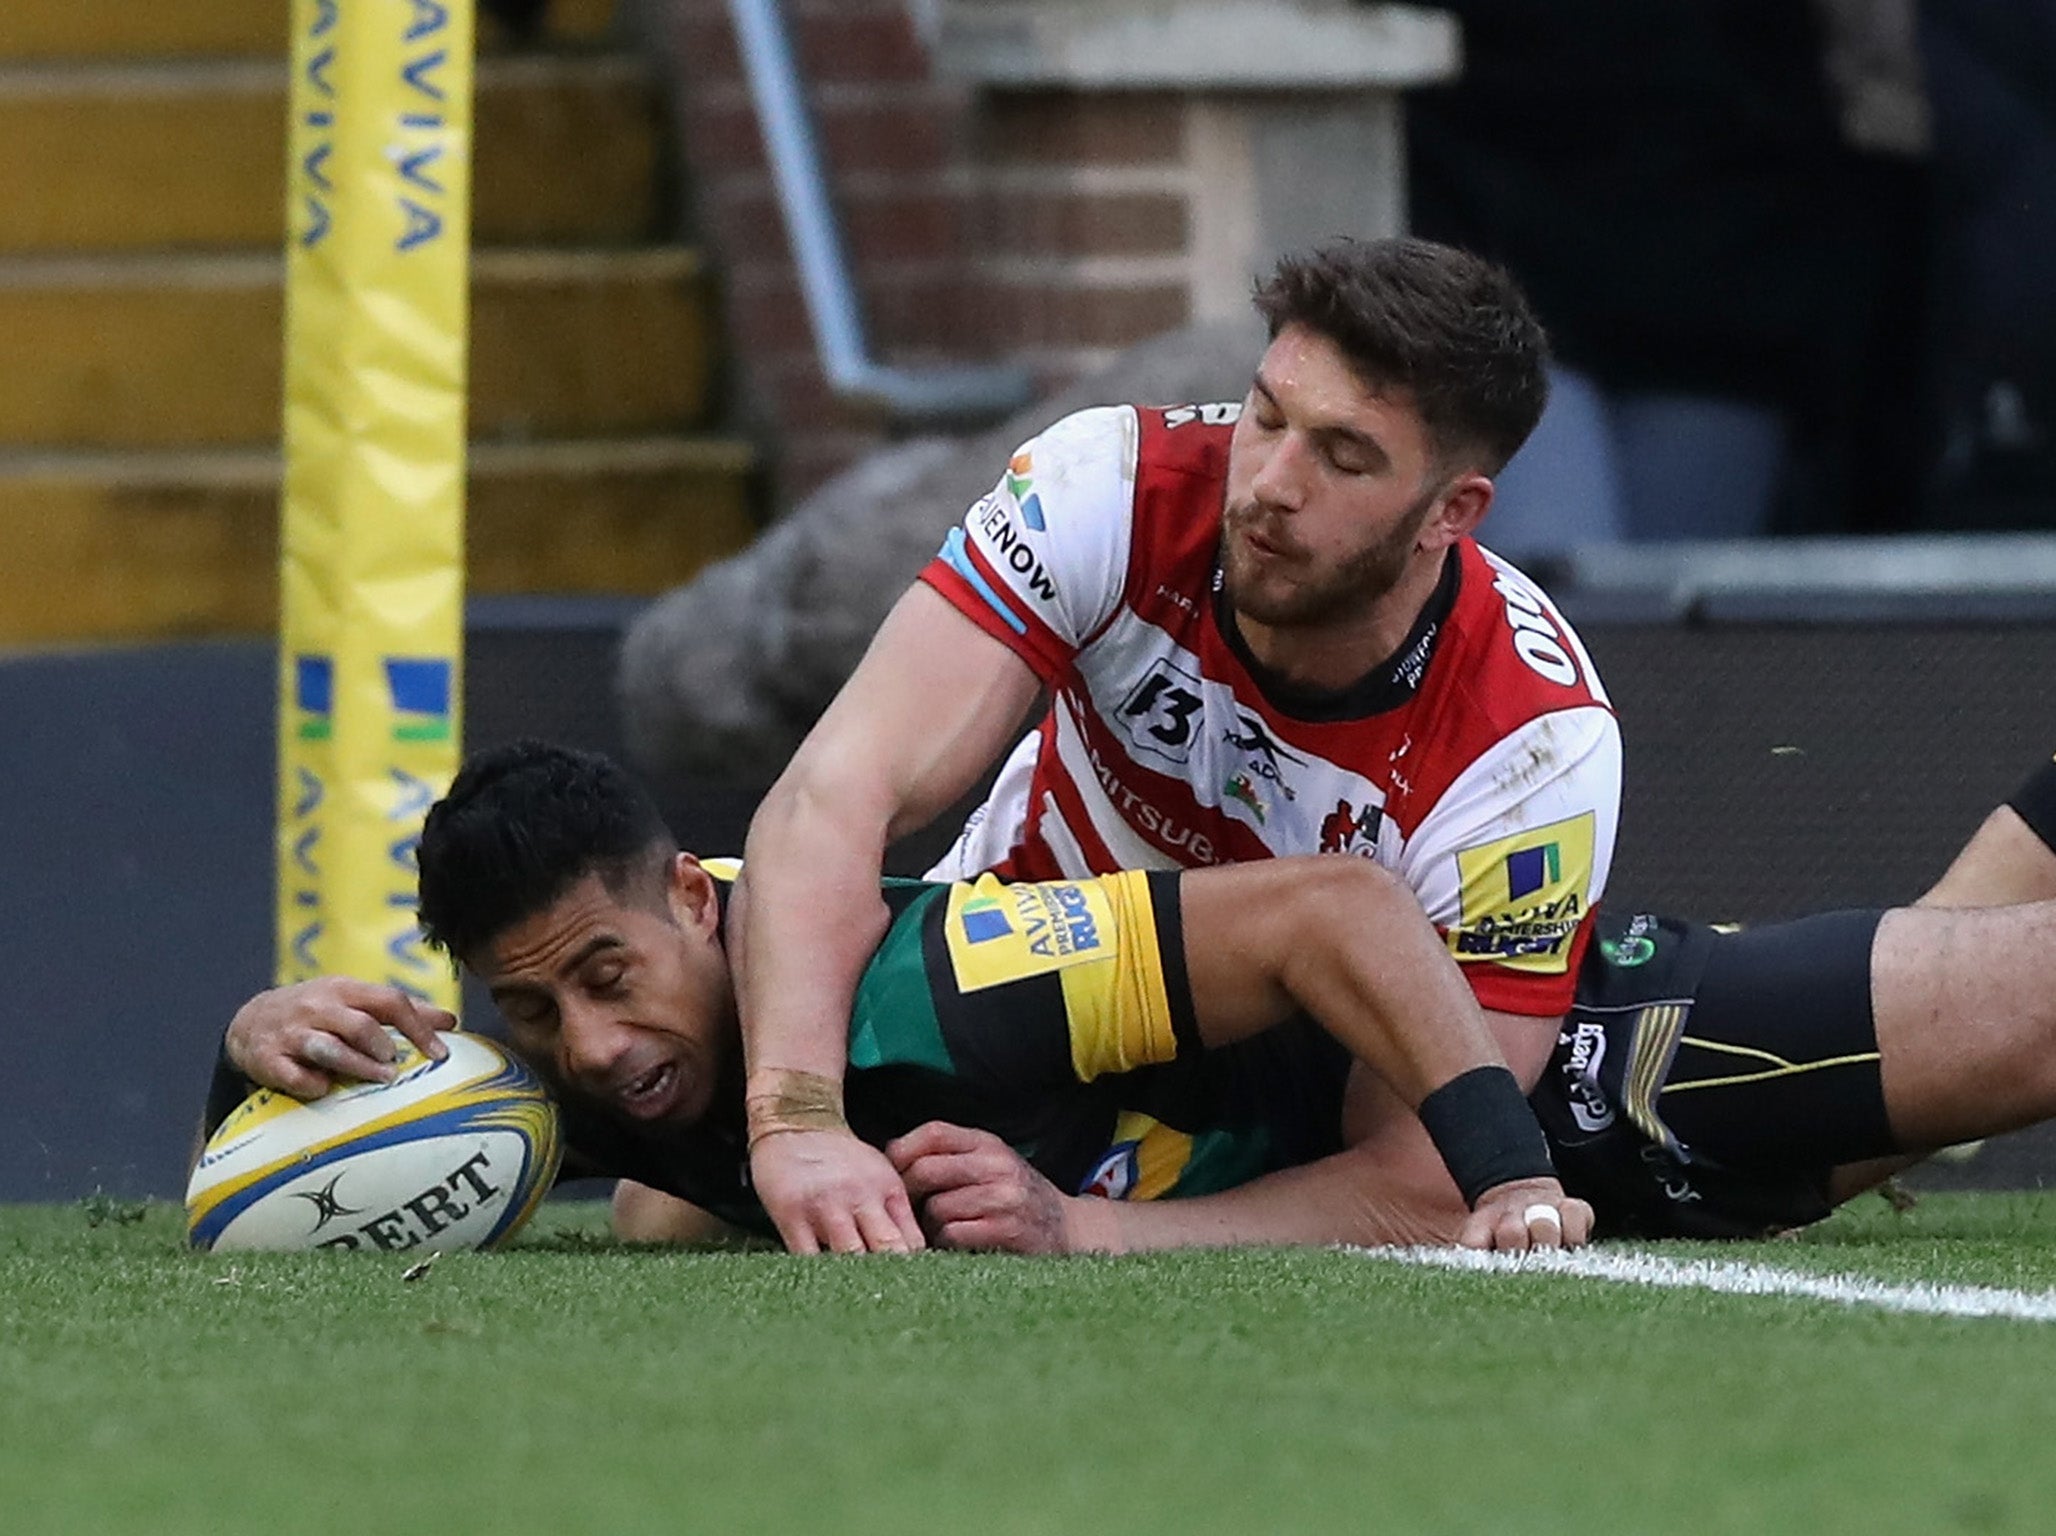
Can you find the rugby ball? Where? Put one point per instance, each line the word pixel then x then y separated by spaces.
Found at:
pixel 450 1154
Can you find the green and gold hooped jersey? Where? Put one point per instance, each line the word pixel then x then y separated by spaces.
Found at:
pixel 1058 1015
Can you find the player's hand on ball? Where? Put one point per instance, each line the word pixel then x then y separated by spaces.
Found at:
pixel 975 1191
pixel 1527 1213
pixel 306 1038
pixel 828 1191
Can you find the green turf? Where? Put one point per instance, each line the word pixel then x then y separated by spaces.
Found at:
pixel 572 1386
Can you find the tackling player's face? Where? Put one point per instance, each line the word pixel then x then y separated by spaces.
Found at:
pixel 1331 490
pixel 625 1002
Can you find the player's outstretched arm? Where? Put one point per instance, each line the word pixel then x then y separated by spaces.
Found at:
pixel 305 1038
pixel 974 1191
pixel 933 703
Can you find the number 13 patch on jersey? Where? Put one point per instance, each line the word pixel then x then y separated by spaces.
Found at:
pixel 1001 933
pixel 1524 896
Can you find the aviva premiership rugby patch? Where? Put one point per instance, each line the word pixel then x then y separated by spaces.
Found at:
pixel 1001 933
pixel 1523 897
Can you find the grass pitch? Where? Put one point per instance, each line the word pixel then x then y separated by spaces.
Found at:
pixel 574 1386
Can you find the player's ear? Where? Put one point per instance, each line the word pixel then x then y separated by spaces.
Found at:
pixel 1462 508
pixel 689 890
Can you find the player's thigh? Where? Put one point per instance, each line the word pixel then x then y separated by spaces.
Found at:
pixel 1966 1020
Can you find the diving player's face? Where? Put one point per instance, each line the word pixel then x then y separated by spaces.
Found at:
pixel 1329 488
pixel 627 1004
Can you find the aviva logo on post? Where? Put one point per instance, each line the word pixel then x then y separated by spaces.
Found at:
pixel 419 689
pixel 314 697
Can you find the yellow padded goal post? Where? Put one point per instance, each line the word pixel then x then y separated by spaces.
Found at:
pixel 372 520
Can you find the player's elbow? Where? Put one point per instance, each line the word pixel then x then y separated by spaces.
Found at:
pixel 645 1215
pixel 812 804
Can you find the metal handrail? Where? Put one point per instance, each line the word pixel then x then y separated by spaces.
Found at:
pixel 945 392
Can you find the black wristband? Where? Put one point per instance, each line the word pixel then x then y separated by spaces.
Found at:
pixel 225 1091
pixel 1481 1124
pixel 2035 802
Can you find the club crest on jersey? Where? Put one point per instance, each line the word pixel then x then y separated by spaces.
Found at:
pixel 1114 1175
pixel 1346 829
pixel 1239 788
pixel 1145 1162
pixel 1523 896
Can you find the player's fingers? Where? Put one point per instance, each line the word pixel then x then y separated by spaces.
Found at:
pixel 798 1236
pixel 982 1234
pixel 936 1137
pixel 339 1058
pixel 1578 1218
pixel 900 1209
pixel 420 1022
pixel 361 1033
pixel 838 1232
pixel 881 1234
pixel 1544 1224
pixel 290 1077
pixel 969 1202
pixel 938 1171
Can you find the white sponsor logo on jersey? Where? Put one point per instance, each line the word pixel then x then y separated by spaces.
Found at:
pixel 1581 1077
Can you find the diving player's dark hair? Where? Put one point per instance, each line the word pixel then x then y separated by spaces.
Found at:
pixel 1450 330
pixel 523 824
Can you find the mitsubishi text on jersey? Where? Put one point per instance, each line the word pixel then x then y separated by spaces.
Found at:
pixel 1481 763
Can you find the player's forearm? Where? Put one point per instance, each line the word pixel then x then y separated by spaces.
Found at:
pixel 806 917
pixel 1347 1198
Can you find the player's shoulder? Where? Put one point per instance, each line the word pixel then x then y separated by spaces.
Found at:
pixel 1097 443
pixel 1519 654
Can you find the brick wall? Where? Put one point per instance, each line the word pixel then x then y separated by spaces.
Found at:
pixel 1051 228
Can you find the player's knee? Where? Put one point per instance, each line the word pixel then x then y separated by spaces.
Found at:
pixel 1327 890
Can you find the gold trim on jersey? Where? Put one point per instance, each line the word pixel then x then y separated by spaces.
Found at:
pixel 1657 1029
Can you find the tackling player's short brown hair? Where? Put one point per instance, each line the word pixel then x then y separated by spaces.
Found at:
pixel 1450 331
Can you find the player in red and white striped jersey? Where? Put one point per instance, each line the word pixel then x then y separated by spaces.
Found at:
pixel 1263 629
pixel 1481 763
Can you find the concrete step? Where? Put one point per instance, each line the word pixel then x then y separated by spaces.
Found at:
pixel 142 546
pixel 131 352
pixel 111 157
pixel 98 29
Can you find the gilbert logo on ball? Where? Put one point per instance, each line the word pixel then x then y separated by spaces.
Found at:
pixel 450 1154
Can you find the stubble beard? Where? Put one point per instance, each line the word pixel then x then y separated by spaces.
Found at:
pixel 1320 598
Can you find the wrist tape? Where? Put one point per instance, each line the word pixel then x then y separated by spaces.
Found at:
pixel 1481 1124
pixel 795 1101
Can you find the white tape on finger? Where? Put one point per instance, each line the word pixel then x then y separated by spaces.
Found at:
pixel 1543 1213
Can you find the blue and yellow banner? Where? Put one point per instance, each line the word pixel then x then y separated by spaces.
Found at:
pixel 372 526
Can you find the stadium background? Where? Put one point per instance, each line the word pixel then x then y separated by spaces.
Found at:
pixel 646 390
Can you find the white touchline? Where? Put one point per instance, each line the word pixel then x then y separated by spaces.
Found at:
pixel 1630 1268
